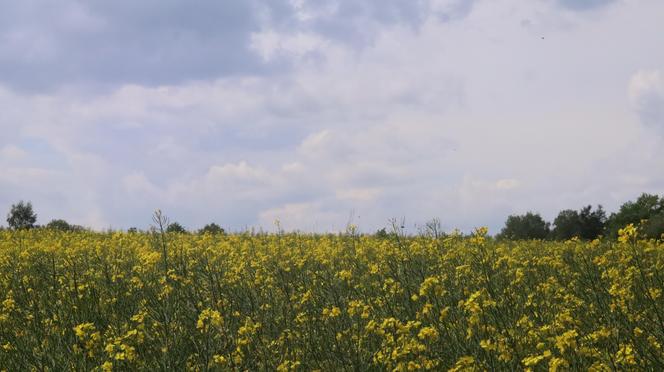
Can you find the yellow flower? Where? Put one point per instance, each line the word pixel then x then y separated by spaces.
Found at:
pixel 655 293
pixel 638 332
pixel 107 367
pixel 627 233
pixel 566 341
pixel 556 364
pixel 209 317
pixel 219 359
pixel 428 333
pixel 345 275
pixel 487 345
pixel 625 355
pixel 532 360
pixel 82 330
pixel 465 363
pixel 332 312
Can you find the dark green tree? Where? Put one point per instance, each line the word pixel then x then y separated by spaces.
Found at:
pixel 62 225
pixel 585 224
pixel 175 227
pixel 591 222
pixel 566 225
pixel 212 228
pixel 525 227
pixel 654 227
pixel 645 207
pixel 381 234
pixel 21 216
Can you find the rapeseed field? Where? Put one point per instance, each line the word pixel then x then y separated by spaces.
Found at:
pixel 296 302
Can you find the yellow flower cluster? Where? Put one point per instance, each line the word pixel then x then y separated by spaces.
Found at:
pixel 294 302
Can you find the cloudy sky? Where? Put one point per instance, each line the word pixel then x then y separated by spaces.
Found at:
pixel 317 113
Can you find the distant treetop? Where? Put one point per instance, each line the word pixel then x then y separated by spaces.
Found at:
pixel 175 227
pixel 212 228
pixel 523 227
pixel 21 216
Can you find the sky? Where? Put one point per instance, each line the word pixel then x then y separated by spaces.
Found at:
pixel 316 114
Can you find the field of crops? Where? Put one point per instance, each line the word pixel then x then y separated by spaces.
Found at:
pixel 140 301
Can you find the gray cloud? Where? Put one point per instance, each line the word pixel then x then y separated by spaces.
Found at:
pixel 584 4
pixel 44 45
pixel 646 92
pixel 355 21
pixel 151 42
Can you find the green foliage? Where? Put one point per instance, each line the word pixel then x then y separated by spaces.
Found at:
pixel 585 224
pixel 212 228
pixel 592 222
pixel 62 225
pixel 646 207
pixel 653 228
pixel 566 225
pixel 175 227
pixel 21 216
pixel 381 234
pixel 525 227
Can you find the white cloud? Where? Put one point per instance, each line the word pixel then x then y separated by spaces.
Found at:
pixel 27 175
pixel 368 194
pixel 314 142
pixel 138 184
pixel 303 216
pixel 12 152
pixel 507 184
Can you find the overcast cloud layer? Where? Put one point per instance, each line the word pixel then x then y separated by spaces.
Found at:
pixel 320 113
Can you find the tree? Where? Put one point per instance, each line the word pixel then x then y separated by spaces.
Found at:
pixel 592 223
pixel 381 234
pixel 645 207
pixel 212 228
pixel 654 227
pixel 62 225
pixel 566 225
pixel 175 227
pixel 21 216
pixel 524 227
pixel 585 224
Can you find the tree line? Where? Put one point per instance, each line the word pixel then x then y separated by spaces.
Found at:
pixel 22 216
pixel 646 212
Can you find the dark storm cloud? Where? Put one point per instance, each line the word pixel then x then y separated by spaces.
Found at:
pixel 44 44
